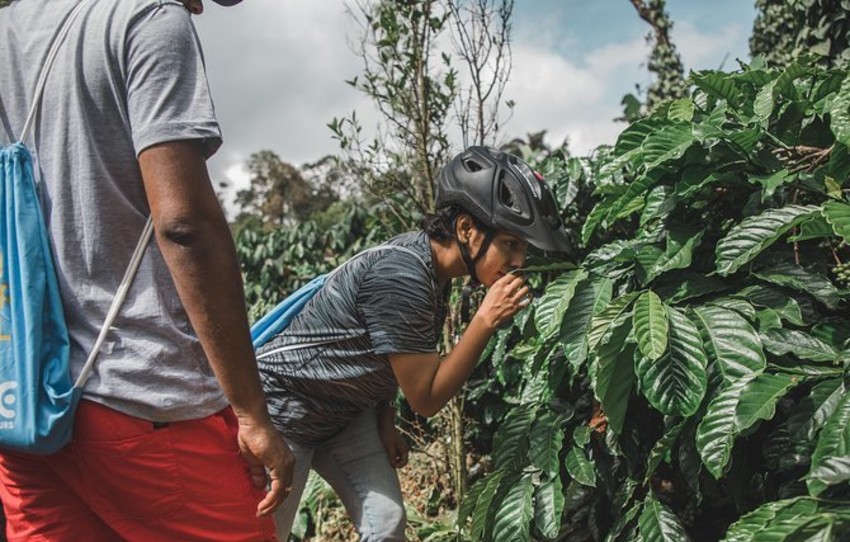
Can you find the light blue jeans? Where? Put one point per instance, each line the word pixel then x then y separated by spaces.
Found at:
pixel 355 464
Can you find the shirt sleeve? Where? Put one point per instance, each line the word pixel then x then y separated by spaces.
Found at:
pixel 399 305
pixel 168 96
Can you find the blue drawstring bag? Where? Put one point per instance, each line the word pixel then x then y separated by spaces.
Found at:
pixel 37 396
pixel 36 392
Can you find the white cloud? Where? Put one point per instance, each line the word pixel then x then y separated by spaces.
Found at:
pixel 573 102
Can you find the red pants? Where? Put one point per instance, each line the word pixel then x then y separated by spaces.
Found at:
pixel 122 478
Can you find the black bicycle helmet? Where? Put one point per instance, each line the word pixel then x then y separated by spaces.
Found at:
pixel 503 193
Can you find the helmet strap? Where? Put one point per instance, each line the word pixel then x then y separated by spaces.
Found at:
pixel 469 260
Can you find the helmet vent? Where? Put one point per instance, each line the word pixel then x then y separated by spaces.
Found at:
pixel 506 195
pixel 472 166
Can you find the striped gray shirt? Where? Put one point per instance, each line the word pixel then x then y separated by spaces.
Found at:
pixel 380 303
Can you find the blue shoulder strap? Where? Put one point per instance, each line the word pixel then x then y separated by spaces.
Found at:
pixel 280 317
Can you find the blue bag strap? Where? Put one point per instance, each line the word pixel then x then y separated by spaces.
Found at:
pixel 269 332
pixel 136 258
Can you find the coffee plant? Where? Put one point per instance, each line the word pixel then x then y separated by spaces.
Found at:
pixel 687 380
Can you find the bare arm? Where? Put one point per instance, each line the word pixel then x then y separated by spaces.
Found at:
pixel 427 381
pixel 193 234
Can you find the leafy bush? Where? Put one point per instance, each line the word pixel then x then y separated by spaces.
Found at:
pixel 688 380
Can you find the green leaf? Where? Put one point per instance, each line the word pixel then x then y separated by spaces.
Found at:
pixel 659 524
pixel 546 440
pixel 483 513
pixel 840 113
pixel 610 317
pixel 510 442
pixel 662 448
pixel 770 298
pixel 751 527
pixel 513 519
pixel 675 383
pixel 659 203
pixel 687 285
pixel 816 228
pixel 801 279
pixel 759 398
pixel 717 431
pixel 668 143
pixel 549 507
pixel 580 468
pixel 832 470
pixel 649 321
pixel 589 297
pixel 838 216
pixel 764 102
pixel 833 442
pixel 614 376
pixel 681 243
pixel 681 110
pixel 771 182
pixel 719 85
pixel 801 344
pixel 549 312
pixel 754 234
pixel 730 340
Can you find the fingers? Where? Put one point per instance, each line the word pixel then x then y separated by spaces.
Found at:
pixel 279 488
pixel 273 498
pixel 403 455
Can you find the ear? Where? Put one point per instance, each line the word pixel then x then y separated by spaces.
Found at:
pixel 464 227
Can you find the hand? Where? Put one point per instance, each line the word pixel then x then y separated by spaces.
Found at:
pixel 265 451
pixel 395 445
pixel 506 297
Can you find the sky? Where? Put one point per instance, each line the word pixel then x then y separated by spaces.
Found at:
pixel 277 70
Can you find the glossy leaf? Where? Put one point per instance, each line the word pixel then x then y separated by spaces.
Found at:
pixel 799 278
pixel 614 376
pixel 676 382
pixel 833 442
pixel 546 440
pixel 717 431
pixel 649 321
pixel 510 443
pixel 731 341
pixel 759 398
pixel 838 216
pixel 799 343
pixel 550 310
pixel 840 113
pixel 751 526
pixel 754 234
pixel 549 507
pixel 579 467
pixel 515 512
pixel 483 512
pixel 659 524
pixel 602 324
pixel 589 297
pixel 678 254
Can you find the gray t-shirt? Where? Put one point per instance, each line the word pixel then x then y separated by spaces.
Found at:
pixel 380 303
pixel 129 75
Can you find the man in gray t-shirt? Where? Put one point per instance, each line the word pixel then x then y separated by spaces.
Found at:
pixel 123 131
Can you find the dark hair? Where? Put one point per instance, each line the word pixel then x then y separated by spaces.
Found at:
pixel 440 226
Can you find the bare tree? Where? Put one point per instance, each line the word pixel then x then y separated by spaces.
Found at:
pixel 481 32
